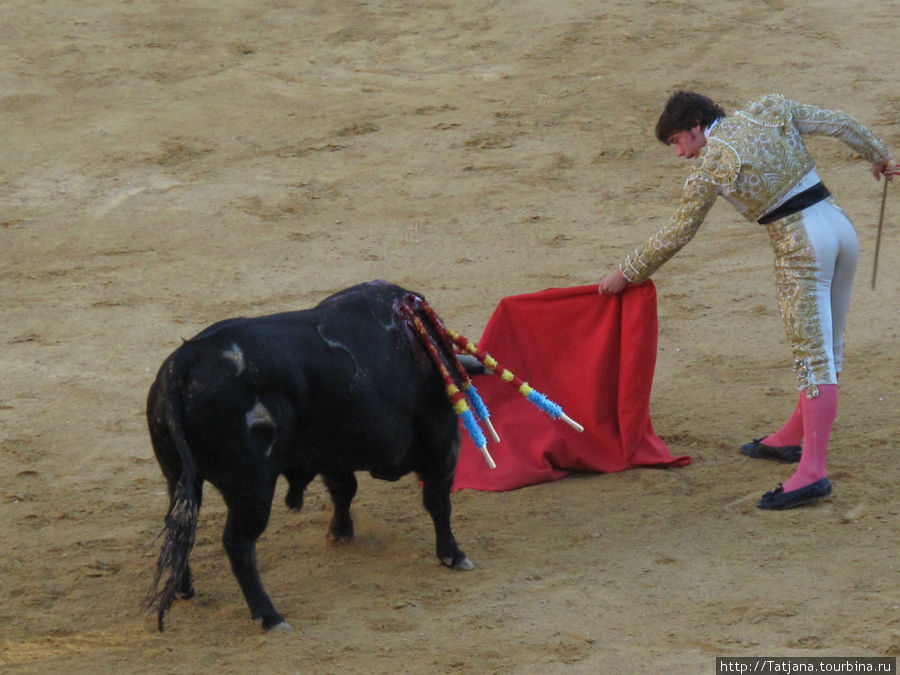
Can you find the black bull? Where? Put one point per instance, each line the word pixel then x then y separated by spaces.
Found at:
pixel 345 386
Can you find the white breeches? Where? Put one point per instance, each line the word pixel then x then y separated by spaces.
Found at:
pixel 816 251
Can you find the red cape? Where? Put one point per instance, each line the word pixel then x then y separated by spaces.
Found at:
pixel 592 354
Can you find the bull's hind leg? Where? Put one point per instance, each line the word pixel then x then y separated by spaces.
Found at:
pixel 342 488
pixel 248 515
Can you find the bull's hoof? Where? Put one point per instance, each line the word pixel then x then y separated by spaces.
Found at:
pixel 340 530
pixel 294 499
pixel 339 537
pixel 273 622
pixel 462 565
pixel 283 626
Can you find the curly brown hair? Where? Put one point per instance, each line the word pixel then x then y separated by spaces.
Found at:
pixel 684 110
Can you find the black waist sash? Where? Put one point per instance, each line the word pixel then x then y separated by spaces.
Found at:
pixel 798 202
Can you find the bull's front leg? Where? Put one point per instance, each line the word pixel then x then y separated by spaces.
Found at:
pixel 436 496
pixel 297 482
pixel 342 488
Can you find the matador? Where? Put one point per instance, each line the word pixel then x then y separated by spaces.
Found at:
pixel 756 159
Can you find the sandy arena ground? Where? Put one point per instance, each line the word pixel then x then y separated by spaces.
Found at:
pixel 170 163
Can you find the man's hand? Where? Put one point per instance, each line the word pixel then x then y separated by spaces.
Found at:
pixel 886 169
pixel 613 283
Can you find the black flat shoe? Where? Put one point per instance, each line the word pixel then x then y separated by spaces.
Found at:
pixel 789 454
pixel 778 499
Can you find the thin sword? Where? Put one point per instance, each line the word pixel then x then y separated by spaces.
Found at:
pixel 878 236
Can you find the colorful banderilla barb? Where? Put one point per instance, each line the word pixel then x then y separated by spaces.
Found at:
pixel 450 348
pixel 454 342
pixel 537 398
pixel 457 398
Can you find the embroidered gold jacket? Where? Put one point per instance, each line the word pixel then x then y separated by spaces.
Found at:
pixel 753 159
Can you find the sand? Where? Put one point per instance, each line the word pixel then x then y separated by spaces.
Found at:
pixel 168 164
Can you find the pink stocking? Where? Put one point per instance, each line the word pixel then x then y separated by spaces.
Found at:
pixel 818 415
pixel 791 432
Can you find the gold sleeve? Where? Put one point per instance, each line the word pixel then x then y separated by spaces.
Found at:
pixel 697 198
pixel 810 119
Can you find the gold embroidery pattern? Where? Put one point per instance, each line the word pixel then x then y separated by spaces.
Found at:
pixel 697 199
pixel 795 281
pixel 753 159
pixel 773 158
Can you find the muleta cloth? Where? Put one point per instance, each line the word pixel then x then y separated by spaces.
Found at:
pixel 594 355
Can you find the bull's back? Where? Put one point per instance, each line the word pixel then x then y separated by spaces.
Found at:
pixel 343 385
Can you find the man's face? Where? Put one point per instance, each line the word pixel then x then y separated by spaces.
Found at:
pixel 688 143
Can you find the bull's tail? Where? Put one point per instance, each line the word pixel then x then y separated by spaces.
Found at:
pixel 181 519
